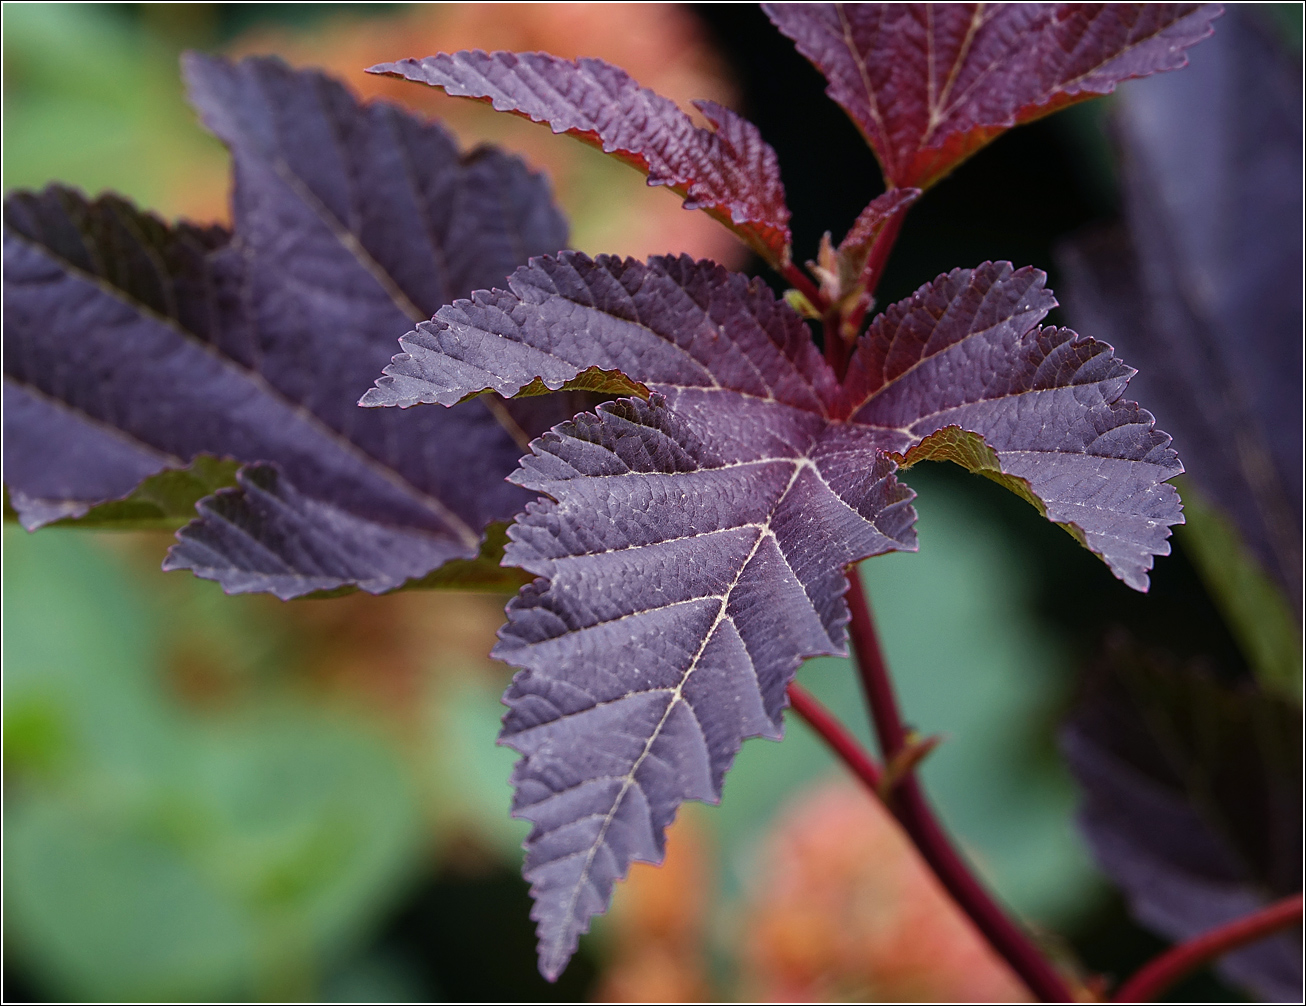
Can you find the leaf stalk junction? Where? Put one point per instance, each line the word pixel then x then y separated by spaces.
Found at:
pixel 899 787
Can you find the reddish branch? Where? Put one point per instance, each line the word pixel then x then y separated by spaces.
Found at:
pixel 1175 963
pixel 909 805
pixel 875 263
pixel 836 735
pixel 837 350
pixel 906 800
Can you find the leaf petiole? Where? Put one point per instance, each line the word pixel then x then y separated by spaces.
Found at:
pixel 804 285
pixel 913 811
pixel 836 735
pixel 874 269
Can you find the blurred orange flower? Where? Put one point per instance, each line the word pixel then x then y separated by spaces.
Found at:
pixel 658 928
pixel 845 909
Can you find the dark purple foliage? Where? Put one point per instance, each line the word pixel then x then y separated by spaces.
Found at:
pixel 929 84
pixel 1192 803
pixel 966 353
pixel 68 346
pixel 1204 288
pixel 729 170
pixel 681 590
pixel 1192 791
pixel 131 347
pixel 693 551
pixel 691 540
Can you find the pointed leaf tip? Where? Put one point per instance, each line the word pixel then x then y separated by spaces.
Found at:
pixel 929 84
pixel 729 171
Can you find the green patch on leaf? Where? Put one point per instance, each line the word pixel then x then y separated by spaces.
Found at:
pixel 482 574
pixel 604 382
pixel 969 450
pixel 165 501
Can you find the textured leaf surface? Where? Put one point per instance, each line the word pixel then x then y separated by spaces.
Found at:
pixel 1203 290
pixel 728 170
pixel 692 549
pixel 667 633
pixel 132 347
pixel 929 84
pixel 1192 803
pixel 966 353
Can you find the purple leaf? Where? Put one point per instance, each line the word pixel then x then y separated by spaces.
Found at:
pixel 966 355
pixel 693 549
pixel 682 590
pixel 132 347
pixel 1204 290
pixel 1192 803
pixel 729 170
pixel 929 84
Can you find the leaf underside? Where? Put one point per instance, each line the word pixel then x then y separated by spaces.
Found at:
pixel 929 84
pixel 1192 803
pixel 856 244
pixel 729 170
pixel 692 548
pixel 133 348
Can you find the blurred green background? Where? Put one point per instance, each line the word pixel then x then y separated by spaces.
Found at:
pixel 217 798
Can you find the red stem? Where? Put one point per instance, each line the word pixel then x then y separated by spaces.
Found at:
pixel 875 263
pixel 913 811
pixel 836 735
pixel 804 285
pixel 879 255
pixel 836 348
pixel 1158 975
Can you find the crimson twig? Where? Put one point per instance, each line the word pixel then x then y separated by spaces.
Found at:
pixel 913 811
pixel 836 735
pixel 875 263
pixel 837 349
pixel 1162 972
pixel 804 285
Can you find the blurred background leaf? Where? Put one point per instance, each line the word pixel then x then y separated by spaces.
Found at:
pixel 1193 801
pixel 1200 288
